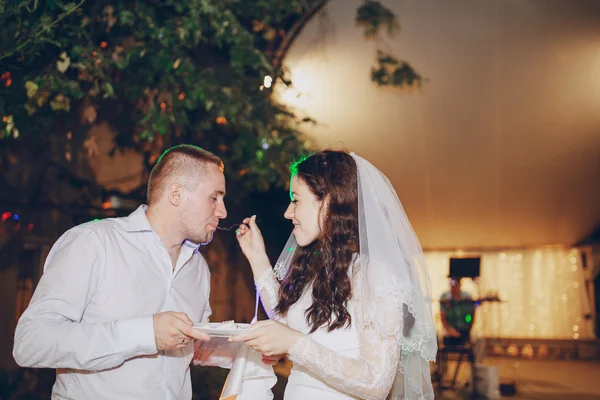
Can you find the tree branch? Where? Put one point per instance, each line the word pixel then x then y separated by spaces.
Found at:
pixel 36 34
pixel 294 31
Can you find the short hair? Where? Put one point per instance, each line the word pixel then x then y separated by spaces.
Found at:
pixel 185 161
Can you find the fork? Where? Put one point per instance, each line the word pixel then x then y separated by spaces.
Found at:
pixel 232 226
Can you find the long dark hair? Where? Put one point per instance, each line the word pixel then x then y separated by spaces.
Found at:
pixel 331 176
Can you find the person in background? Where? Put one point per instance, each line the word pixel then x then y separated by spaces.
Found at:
pixel 457 312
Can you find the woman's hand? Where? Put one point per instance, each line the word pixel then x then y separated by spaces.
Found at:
pixel 269 337
pixel 251 242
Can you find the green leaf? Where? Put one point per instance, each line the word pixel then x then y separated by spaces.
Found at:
pixel 126 18
pixel 108 90
pixel 51 4
pixel 31 88
pixel 69 7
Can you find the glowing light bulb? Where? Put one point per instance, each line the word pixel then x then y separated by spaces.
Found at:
pixel 267 81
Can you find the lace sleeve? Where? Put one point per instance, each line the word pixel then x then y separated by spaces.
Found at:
pixel 268 287
pixel 370 377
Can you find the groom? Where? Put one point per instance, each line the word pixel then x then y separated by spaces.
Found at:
pixel 115 308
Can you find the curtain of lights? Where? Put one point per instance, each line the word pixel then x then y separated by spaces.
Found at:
pixel 542 291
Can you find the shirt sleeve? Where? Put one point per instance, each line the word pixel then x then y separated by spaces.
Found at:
pixel 52 332
pixel 444 303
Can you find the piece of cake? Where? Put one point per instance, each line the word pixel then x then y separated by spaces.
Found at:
pixel 227 325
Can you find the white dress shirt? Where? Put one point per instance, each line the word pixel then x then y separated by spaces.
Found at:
pixel 91 314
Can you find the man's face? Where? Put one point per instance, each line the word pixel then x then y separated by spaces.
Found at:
pixel 202 208
pixel 455 285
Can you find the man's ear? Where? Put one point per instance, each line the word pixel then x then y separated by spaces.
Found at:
pixel 174 193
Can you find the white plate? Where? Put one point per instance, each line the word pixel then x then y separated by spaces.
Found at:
pixel 213 329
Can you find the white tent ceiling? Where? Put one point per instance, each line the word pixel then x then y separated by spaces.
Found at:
pixel 501 148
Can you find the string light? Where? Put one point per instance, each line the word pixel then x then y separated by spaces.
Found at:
pixel 181 96
pixel 163 105
pixel 527 351
pixel 221 120
pixel 267 81
pixel 16 219
pixel 103 45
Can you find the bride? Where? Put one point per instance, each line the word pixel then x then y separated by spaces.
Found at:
pixel 347 297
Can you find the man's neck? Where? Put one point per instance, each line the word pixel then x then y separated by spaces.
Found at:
pixel 168 234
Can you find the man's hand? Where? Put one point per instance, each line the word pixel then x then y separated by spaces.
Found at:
pixel 272 360
pixel 174 330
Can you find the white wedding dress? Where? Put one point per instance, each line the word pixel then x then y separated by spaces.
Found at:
pixel 338 365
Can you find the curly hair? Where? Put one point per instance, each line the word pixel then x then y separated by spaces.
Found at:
pixel 332 177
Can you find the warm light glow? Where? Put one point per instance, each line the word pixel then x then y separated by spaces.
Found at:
pixel 542 297
pixel 304 87
pixel 527 351
pixel 267 81
pixel 103 45
pixel 181 96
pixel 221 120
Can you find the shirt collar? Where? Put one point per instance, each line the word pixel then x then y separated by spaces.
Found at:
pixel 137 221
